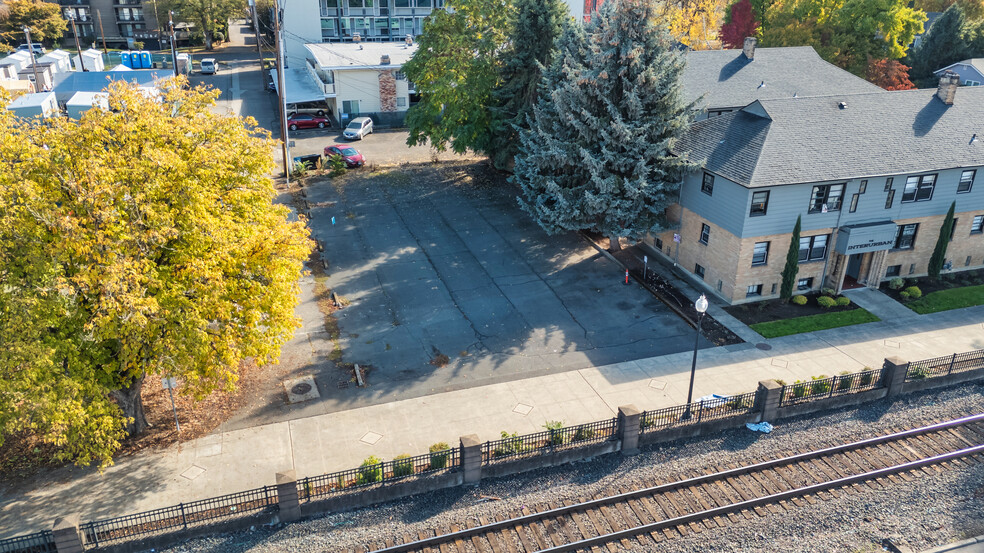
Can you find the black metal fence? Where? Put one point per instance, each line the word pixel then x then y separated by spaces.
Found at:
pixel 718 407
pixel 40 542
pixel 942 366
pixel 824 387
pixel 169 519
pixel 513 446
pixel 180 516
pixel 370 473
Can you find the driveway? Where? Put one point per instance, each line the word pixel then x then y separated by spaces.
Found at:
pixel 439 261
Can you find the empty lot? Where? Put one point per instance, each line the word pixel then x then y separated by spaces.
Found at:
pixel 449 284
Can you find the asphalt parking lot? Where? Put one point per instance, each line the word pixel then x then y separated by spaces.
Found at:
pixel 440 261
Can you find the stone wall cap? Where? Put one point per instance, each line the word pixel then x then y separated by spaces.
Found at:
pixel 629 410
pixel 770 384
pixel 66 522
pixel 470 440
pixel 286 477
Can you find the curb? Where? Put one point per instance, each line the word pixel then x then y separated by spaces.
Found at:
pixel 957 545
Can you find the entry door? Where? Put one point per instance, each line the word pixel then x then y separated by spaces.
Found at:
pixel 854 265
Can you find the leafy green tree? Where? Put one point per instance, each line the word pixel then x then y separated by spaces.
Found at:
pixel 209 16
pixel 138 241
pixel 845 32
pixel 43 18
pixel 534 29
pixel 598 156
pixel 455 70
pixel 943 44
pixel 939 252
pixel 792 264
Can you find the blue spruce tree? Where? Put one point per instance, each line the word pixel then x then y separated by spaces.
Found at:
pixel 598 154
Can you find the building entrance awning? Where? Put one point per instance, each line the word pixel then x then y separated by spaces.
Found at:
pixel 866 237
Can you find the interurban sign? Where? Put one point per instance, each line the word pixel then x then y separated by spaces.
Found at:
pixel 867 237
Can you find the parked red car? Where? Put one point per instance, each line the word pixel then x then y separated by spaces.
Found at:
pixel 352 157
pixel 306 121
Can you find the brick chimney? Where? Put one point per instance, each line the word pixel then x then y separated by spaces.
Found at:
pixel 949 81
pixel 749 48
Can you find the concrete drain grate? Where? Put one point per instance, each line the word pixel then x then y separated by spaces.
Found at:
pixel 301 389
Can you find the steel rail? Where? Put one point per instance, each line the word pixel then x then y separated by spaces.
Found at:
pixel 509 523
pixel 758 502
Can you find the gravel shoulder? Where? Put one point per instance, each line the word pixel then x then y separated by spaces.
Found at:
pixel 934 509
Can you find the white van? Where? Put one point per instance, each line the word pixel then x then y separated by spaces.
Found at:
pixel 209 67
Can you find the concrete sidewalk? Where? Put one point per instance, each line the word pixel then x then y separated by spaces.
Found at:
pixel 237 460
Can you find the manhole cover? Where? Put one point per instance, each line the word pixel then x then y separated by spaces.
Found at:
pixel 301 389
pixel 763 346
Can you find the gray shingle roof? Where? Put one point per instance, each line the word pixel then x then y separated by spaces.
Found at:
pixel 730 80
pixel 976 63
pixel 811 139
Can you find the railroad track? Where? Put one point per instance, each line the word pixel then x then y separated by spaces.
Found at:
pixel 714 498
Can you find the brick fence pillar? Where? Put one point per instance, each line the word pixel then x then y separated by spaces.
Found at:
pixel 287 500
pixel 894 369
pixel 471 458
pixel 767 398
pixel 66 533
pixel 629 418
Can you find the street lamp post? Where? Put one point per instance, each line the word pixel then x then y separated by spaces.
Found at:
pixel 701 306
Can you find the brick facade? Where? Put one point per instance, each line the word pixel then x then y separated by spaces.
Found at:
pixel 727 259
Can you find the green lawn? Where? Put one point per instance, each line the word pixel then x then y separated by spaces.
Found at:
pixel 798 325
pixel 943 300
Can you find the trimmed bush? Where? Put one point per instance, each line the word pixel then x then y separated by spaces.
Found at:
pixel 904 295
pixel 918 373
pixel 843 301
pixel 402 466
pixel 827 291
pixel 896 283
pixel 914 292
pixel 867 377
pixel 799 389
pixel 439 455
pixel 826 302
pixel 799 300
pixel 845 381
pixel 371 470
pixel 820 385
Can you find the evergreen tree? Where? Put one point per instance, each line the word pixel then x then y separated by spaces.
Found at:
pixel 598 155
pixel 939 252
pixel 942 45
pixel 534 30
pixel 792 265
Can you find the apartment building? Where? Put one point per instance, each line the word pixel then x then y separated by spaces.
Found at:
pixel 123 22
pixel 870 175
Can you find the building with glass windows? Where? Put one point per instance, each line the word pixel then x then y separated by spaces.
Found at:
pixel 123 22
pixel 871 176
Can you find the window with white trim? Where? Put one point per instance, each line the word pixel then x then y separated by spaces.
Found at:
pixel 966 181
pixel 905 236
pixel 977 226
pixel 760 254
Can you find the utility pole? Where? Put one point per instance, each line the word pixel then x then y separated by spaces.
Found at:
pixel 102 35
pixel 281 92
pixel 34 63
pixel 75 31
pixel 256 29
pixel 174 50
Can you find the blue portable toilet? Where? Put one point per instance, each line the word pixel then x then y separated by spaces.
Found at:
pixel 125 59
pixel 145 60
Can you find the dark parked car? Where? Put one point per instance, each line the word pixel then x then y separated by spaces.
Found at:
pixel 352 157
pixel 306 121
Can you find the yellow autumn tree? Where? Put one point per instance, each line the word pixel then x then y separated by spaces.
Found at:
pixel 693 22
pixel 142 240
